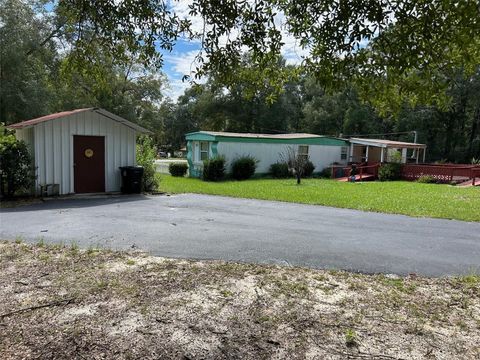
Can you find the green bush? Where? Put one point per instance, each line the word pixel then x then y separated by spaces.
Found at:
pixel 389 172
pixel 426 179
pixel 326 173
pixel 243 168
pixel 178 169
pixel 308 168
pixel 214 169
pixel 146 155
pixel 280 170
pixel 16 166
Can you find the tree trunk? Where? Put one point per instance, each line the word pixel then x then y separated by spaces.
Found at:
pixel 473 133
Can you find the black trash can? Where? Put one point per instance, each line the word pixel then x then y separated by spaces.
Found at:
pixel 131 179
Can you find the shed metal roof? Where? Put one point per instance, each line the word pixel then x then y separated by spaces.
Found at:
pixel 33 122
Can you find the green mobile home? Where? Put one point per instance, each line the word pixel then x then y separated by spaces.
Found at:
pixel 266 148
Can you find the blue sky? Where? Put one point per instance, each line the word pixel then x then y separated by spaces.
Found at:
pixel 176 64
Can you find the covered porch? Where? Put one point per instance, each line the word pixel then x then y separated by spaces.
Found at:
pixel 380 151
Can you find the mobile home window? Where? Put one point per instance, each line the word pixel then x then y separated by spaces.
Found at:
pixel 203 150
pixel 343 156
pixel 303 151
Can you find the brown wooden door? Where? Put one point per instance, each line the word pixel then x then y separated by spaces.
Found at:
pixel 89 163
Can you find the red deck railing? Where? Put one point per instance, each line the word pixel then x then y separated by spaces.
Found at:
pixel 441 173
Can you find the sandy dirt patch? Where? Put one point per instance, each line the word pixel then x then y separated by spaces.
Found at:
pixel 64 303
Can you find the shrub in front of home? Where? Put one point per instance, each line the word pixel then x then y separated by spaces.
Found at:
pixel 17 174
pixel 326 173
pixel 178 169
pixel 426 179
pixel 389 172
pixel 243 168
pixel 308 168
pixel 146 155
pixel 214 169
pixel 280 170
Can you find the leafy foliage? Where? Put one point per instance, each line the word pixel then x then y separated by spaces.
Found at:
pixel 426 179
pixel 244 167
pixel 16 168
pixel 146 155
pixel 214 169
pixel 326 173
pixel 308 168
pixel 178 169
pixel 389 172
pixel 27 59
pixel 279 170
pixel 385 41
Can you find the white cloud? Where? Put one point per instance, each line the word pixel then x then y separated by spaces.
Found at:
pixel 175 88
pixel 181 63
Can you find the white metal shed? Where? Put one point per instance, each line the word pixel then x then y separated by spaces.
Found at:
pixel 80 150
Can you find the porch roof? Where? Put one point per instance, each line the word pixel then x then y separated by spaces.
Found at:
pixel 382 143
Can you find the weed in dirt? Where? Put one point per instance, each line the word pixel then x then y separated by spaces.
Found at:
pixel 226 293
pixel 57 247
pixel 45 257
pixel 101 285
pixel 469 283
pixel 356 286
pixel 351 338
pixel 74 247
pixel 286 287
pixel 415 328
pixel 18 240
pixel 462 325
pixel 92 251
pixel 472 279
pixel 263 319
pixel 130 262
pixel 399 284
pixel 321 278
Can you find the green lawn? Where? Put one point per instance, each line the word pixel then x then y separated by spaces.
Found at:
pixel 399 197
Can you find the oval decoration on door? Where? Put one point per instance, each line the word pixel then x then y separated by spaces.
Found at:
pixel 88 153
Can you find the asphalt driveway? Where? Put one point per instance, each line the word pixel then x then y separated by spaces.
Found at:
pixel 213 227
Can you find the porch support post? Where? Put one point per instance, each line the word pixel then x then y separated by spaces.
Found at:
pixel 351 151
pixel 404 155
pixel 382 154
pixel 424 151
pixel 417 153
pixel 366 154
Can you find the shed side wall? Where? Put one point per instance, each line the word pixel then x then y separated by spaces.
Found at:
pixel 27 136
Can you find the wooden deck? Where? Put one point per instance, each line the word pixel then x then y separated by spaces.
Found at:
pixel 470 182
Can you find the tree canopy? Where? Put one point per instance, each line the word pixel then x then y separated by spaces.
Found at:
pixel 408 46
